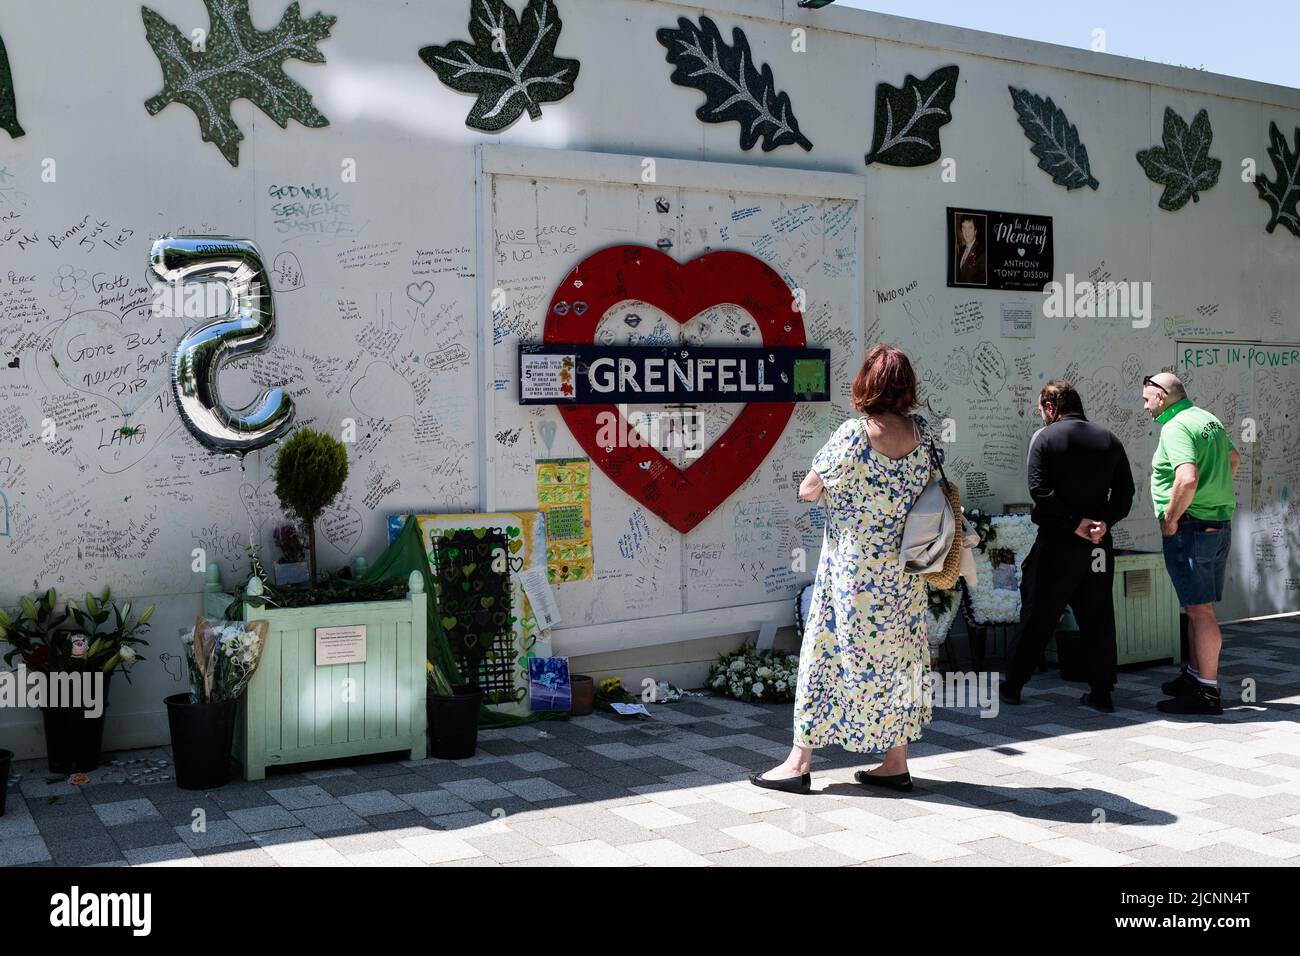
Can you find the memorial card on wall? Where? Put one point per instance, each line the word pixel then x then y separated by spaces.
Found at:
pixel 998 250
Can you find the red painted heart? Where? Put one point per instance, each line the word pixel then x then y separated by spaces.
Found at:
pixel 682 497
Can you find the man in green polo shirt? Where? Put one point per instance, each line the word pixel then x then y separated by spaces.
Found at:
pixel 1191 487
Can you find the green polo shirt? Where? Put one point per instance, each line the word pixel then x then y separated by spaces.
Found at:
pixel 1188 433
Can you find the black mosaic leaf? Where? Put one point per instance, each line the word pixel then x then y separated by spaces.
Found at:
pixel 908 119
pixel 1056 141
pixel 8 105
pixel 1282 193
pixel 734 89
pixel 1183 165
pixel 510 64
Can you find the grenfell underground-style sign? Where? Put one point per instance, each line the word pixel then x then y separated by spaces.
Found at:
pixel 236 60
pixel 510 64
pixel 734 88
pixel 570 371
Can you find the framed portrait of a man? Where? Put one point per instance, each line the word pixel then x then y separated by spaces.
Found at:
pixel 970 264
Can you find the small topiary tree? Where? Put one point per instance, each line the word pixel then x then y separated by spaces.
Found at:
pixel 309 474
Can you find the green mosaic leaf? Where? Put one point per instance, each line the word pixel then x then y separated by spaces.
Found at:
pixel 8 105
pixel 1282 193
pixel 1056 141
pixel 236 61
pixel 510 63
pixel 1183 165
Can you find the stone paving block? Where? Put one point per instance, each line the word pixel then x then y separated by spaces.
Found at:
pixel 370 803
pixel 331 819
pixel 300 798
pixel 216 833
pixel 126 811
pixel 132 836
pixel 19 850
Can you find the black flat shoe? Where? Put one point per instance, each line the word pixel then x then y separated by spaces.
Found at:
pixel 1103 704
pixel 799 784
pixel 1183 685
pixel 901 782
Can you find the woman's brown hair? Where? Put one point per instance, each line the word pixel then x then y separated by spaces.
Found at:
pixel 1062 396
pixel 886 382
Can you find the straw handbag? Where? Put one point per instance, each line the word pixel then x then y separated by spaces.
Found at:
pixel 932 532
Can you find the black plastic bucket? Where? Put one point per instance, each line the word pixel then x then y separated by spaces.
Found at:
pixel 453 722
pixel 202 736
pixel 6 761
pixel 73 738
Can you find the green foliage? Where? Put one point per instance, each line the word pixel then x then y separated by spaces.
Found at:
pixel 42 635
pixel 309 474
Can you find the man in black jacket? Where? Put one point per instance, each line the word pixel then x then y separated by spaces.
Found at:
pixel 1080 483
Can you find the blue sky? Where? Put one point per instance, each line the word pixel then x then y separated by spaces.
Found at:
pixel 1259 40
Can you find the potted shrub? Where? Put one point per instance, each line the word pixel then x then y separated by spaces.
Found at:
pixel 222 658
pixel 453 711
pixel 291 568
pixel 309 474
pixel 77 649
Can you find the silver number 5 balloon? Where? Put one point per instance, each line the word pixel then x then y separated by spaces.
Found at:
pixel 246 329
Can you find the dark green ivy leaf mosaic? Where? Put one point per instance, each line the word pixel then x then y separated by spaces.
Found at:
pixel 1183 165
pixel 1283 192
pixel 908 120
pixel 734 89
pixel 1056 141
pixel 510 64
pixel 8 105
pixel 236 61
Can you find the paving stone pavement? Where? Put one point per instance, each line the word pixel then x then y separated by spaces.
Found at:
pixel 1049 783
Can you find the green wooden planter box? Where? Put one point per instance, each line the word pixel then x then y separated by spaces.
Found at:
pixel 1146 612
pixel 296 711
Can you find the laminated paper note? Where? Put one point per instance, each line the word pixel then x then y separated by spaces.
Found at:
pixel 564 497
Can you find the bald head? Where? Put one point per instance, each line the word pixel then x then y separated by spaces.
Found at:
pixel 1161 390
pixel 1172 385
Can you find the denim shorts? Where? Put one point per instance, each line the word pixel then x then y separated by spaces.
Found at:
pixel 1197 558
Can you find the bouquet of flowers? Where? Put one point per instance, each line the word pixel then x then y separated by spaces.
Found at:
pixel 942 607
pixel 222 657
pixel 76 638
pixel 755 676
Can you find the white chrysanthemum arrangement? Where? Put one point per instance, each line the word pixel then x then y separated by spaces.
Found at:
pixel 754 676
pixel 1000 605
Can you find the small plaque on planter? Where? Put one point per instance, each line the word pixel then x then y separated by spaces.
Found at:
pixel 341 645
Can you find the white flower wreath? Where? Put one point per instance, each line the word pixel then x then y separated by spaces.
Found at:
pixel 990 604
pixel 938 624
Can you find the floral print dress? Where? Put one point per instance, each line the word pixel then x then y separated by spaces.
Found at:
pixel 864 658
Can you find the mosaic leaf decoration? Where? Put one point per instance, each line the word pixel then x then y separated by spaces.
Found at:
pixel 1183 165
pixel 908 119
pixel 510 63
pixel 1056 141
pixel 735 90
pixel 1282 193
pixel 8 105
pixel 236 60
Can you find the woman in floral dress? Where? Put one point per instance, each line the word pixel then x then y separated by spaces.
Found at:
pixel 864 658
